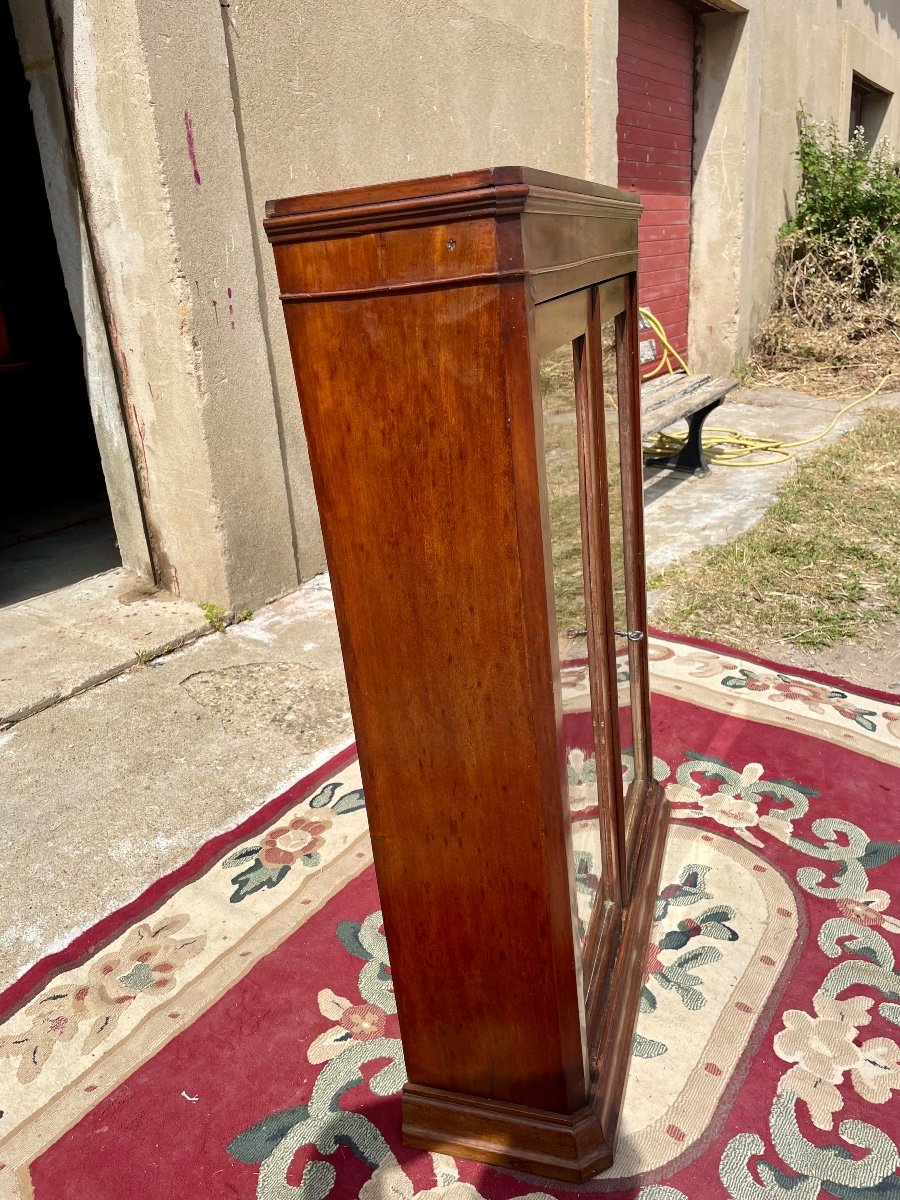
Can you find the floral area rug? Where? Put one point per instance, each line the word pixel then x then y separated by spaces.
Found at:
pixel 233 1032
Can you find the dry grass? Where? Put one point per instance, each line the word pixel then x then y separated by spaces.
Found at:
pixel 820 337
pixel 820 567
pixel 848 359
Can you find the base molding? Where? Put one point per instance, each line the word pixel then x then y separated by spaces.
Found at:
pixel 568 1146
pixel 573 1147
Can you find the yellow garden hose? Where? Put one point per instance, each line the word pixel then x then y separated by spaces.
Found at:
pixel 665 363
pixel 730 447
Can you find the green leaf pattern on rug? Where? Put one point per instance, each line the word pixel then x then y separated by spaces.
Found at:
pixel 283 847
pixel 828 1055
pixel 678 975
pixel 817 697
pixel 737 801
pixel 832 1170
pixel 644 1047
pixel 821 1048
pixel 736 804
pixel 849 847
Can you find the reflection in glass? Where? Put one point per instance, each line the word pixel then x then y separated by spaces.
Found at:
pixel 564 498
pixel 617 536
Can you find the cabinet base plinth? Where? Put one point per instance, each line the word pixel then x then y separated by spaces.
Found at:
pixel 568 1146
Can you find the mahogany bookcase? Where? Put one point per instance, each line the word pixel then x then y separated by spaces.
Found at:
pixel 517 858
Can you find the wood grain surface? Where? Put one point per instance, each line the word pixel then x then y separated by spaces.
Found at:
pixel 414 316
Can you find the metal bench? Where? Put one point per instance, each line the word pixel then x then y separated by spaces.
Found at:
pixel 677 397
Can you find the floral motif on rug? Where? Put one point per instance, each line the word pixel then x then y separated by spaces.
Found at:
pixel 713 970
pixel 240 1036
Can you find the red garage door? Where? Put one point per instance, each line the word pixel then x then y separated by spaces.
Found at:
pixel 655 133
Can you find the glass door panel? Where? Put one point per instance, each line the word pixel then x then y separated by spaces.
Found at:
pixel 593 471
pixel 566 485
pixel 616 520
pixel 627 524
pixel 622 706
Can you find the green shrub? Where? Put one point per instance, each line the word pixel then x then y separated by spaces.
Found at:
pixel 834 323
pixel 847 226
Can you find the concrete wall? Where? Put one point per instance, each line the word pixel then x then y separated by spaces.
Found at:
pixel 163 195
pixel 754 70
pixel 187 117
pixel 328 97
pixel 810 54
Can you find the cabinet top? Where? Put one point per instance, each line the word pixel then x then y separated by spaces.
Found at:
pixel 490 192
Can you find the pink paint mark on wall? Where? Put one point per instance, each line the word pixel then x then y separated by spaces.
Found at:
pixel 142 434
pixel 192 150
pixel 231 307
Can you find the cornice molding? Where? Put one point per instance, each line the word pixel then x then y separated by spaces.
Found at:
pixel 490 195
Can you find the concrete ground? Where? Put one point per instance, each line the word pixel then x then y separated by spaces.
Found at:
pixel 55 645
pixel 108 790
pixel 122 770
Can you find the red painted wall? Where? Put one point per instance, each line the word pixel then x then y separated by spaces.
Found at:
pixel 655 134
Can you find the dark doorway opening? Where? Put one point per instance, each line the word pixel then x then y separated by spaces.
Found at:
pixel 55 521
pixel 868 108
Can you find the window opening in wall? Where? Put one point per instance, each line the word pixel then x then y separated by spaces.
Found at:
pixel 868 108
pixel 55 521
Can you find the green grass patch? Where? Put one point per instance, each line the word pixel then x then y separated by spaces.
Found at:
pixel 822 565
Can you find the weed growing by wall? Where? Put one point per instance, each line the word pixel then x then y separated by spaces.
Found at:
pixel 834 325
pixel 846 231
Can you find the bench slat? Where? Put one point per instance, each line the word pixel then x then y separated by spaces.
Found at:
pixel 685 403
pixel 649 386
pixel 686 386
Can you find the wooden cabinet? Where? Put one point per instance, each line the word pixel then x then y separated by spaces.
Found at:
pixel 480 497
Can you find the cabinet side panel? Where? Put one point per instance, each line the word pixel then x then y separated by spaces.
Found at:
pixel 405 406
